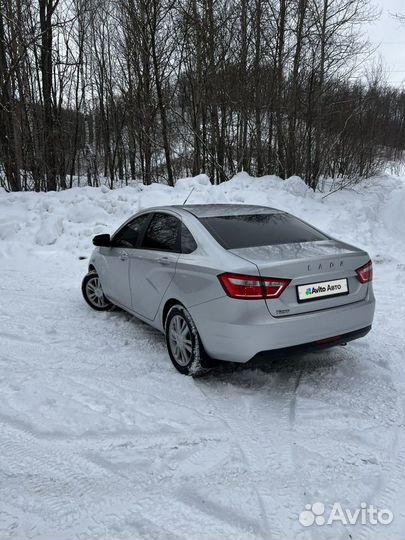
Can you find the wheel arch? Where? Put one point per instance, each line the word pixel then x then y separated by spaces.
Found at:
pixel 166 308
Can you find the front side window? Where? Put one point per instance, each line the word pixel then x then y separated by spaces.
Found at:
pixel 163 233
pixel 129 235
pixel 242 231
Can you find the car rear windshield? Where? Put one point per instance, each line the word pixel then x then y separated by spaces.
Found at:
pixel 242 231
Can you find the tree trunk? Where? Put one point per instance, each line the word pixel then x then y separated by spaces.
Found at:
pixel 258 100
pixel 280 87
pixel 7 116
pixel 46 9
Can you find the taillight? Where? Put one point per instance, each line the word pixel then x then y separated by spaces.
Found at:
pixel 365 272
pixel 252 287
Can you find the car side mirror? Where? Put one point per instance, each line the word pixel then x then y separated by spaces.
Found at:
pixel 102 240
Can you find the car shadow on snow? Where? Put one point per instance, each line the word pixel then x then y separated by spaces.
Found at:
pixel 285 366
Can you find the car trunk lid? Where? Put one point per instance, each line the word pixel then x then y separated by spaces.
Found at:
pixel 327 265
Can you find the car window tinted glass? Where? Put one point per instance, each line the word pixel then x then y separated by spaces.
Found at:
pixel 162 233
pixel 129 235
pixel 234 232
pixel 188 244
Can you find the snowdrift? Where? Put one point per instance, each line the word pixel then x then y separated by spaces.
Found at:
pixel 370 215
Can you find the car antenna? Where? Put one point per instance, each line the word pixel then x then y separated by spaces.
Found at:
pixel 188 196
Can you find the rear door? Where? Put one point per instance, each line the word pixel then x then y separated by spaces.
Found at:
pixel 153 265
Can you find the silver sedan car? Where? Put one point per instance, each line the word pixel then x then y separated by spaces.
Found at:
pixel 232 282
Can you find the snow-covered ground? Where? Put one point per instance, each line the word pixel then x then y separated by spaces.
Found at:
pixel 101 438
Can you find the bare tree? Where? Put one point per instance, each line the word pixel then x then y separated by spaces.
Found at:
pixel 155 89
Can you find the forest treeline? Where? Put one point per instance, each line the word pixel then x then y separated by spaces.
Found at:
pixel 157 89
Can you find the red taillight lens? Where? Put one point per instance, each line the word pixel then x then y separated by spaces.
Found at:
pixel 252 287
pixel 328 340
pixel 365 272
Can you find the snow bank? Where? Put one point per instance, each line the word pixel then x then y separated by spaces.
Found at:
pixel 370 215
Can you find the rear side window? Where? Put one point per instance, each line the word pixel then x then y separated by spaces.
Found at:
pixel 243 231
pixel 128 236
pixel 188 244
pixel 163 233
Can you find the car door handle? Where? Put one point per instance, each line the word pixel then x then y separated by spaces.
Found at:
pixel 163 260
pixel 123 255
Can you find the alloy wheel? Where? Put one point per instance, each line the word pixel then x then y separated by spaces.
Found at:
pixel 95 293
pixel 180 340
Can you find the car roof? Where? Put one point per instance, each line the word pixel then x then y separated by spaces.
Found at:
pixel 216 210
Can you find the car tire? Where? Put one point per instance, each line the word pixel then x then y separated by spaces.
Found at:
pixel 93 293
pixel 184 344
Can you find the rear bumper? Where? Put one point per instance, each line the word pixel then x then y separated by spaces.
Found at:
pixel 313 346
pixel 237 331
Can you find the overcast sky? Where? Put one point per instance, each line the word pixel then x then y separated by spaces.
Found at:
pixel 389 34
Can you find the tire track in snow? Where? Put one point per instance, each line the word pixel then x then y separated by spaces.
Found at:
pixel 293 402
pixel 265 529
pixel 47 480
pixel 281 413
